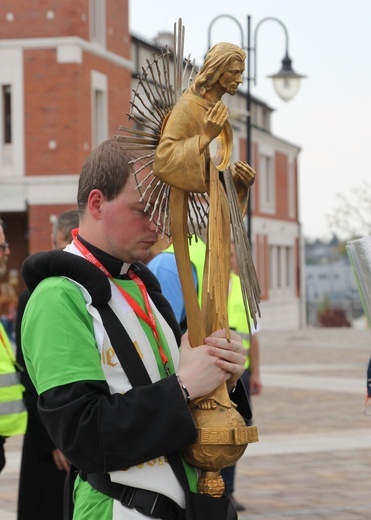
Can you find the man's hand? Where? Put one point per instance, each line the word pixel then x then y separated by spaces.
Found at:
pixel 60 460
pixel 204 368
pixel 255 385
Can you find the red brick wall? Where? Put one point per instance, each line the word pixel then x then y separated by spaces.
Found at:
pixel 58 99
pixel 40 227
pixel 296 188
pixel 119 91
pixel 71 18
pixel 58 108
pixel 281 186
pixel 52 112
pixel 117 23
pixel 262 264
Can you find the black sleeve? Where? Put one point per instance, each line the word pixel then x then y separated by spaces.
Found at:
pixel 99 432
pixel 240 398
pixel 41 441
pixel 22 302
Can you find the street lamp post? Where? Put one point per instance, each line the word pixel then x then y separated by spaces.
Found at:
pixel 286 82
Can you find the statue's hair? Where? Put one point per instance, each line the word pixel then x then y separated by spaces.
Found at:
pixel 216 62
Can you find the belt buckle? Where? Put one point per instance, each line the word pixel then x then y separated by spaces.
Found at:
pixel 143 501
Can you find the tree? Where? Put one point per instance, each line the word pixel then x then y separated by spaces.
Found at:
pixel 351 214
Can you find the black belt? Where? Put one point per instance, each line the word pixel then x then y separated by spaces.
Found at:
pixel 148 503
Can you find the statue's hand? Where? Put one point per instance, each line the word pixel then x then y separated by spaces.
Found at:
pixel 244 177
pixel 214 121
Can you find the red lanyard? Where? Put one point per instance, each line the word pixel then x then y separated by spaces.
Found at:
pixel 147 316
pixel 2 341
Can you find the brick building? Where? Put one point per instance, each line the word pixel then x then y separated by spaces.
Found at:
pixel 65 76
pixel 65 71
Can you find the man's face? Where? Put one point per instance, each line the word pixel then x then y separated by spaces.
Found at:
pixel 232 78
pixel 59 241
pixel 129 234
pixel 4 252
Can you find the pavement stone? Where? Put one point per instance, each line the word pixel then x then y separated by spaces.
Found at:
pixel 313 459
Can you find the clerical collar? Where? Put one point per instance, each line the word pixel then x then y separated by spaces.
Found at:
pixel 117 268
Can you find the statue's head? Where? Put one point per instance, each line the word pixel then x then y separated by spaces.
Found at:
pixel 217 61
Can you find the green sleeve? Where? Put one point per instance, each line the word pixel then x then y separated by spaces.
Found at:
pixel 58 336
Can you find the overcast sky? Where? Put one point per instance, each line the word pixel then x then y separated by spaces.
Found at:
pixel 330 118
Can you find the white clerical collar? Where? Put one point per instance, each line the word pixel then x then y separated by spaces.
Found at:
pixel 125 268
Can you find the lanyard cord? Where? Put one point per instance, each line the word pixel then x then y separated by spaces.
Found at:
pixel 9 352
pixel 2 341
pixel 147 316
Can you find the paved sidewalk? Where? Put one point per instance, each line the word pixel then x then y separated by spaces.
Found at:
pixel 313 459
pixel 314 455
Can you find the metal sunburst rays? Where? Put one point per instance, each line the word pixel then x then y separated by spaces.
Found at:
pixel 161 83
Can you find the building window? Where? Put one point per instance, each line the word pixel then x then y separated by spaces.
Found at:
pixel 98 21
pixel 99 133
pixel 281 265
pixel 272 267
pixel 267 187
pixel 7 113
pixel 99 107
pixel 288 266
pixel 266 120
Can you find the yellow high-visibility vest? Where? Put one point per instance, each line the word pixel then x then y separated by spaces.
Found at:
pixel 13 415
pixel 236 313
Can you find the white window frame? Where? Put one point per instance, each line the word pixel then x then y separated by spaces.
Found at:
pixel 267 186
pixel 99 108
pixel 98 22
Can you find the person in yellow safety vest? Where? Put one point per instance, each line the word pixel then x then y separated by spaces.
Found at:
pixel 163 265
pixel 13 415
pixel 238 322
pixel 251 377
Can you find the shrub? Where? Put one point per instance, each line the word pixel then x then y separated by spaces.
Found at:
pixel 333 317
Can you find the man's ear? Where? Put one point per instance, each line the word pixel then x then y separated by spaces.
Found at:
pixel 95 201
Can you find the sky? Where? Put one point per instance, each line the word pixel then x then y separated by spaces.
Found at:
pixel 330 118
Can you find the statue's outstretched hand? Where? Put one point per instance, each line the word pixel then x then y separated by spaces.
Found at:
pixel 244 177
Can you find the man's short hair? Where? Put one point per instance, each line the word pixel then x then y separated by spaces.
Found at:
pixel 107 169
pixel 65 223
